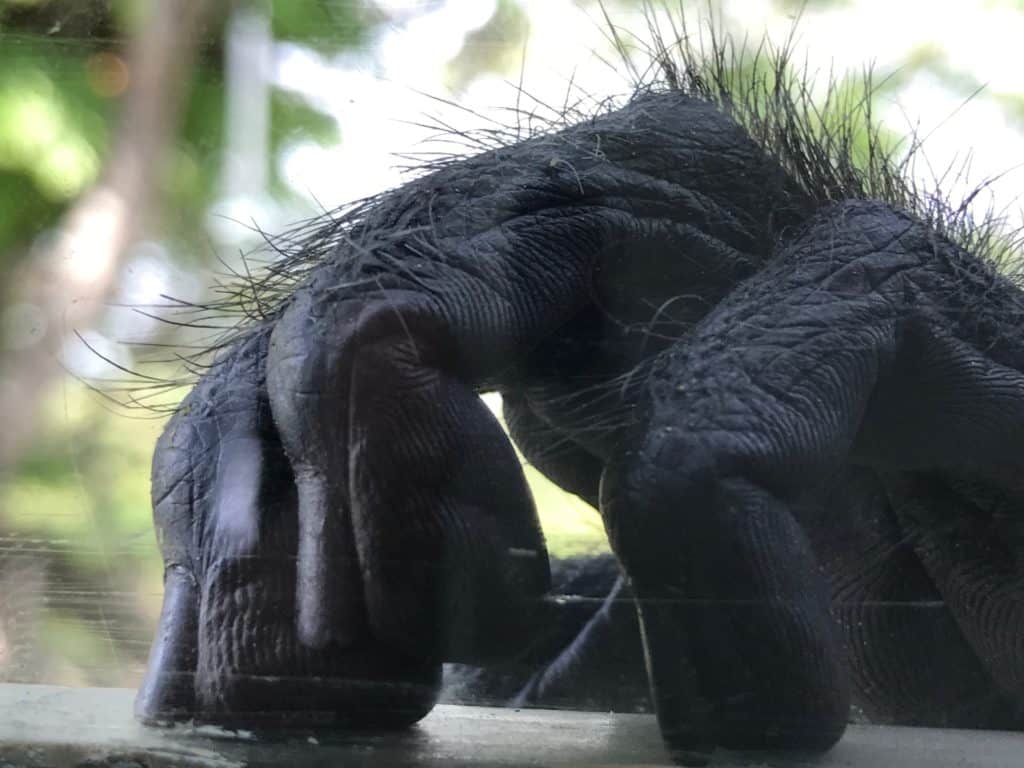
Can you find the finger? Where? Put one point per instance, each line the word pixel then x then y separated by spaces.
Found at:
pixel 167 692
pixel 180 469
pixel 945 404
pixel 445 525
pixel 741 648
pixel 897 627
pixel 946 428
pixel 979 570
pixel 407 486
pixel 308 390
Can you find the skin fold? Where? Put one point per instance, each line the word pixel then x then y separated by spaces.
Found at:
pixel 801 417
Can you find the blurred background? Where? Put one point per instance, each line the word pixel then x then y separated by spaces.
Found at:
pixel 146 144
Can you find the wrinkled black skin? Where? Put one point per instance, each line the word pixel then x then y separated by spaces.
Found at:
pixel 802 423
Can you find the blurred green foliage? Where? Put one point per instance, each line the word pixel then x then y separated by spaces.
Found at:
pixel 78 507
pixel 327 26
pixel 53 133
pixel 491 48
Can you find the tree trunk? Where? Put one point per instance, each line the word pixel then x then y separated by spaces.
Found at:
pixel 65 285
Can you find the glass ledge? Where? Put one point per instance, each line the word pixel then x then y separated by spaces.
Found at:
pixel 52 727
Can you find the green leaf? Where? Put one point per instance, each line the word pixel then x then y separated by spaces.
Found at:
pixel 328 26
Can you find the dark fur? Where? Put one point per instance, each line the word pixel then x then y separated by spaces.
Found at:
pixel 831 150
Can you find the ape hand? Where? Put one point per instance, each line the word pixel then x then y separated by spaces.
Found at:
pixel 301 595
pixel 816 489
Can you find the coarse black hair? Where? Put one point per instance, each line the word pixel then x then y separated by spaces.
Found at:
pixel 830 146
